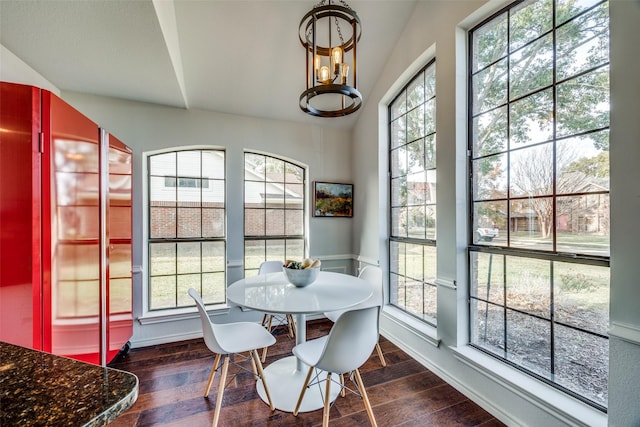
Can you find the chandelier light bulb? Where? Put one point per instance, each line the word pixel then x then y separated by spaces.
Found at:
pixel 345 73
pixel 336 54
pixel 324 74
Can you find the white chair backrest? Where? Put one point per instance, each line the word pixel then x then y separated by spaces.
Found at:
pixel 207 327
pixel 270 267
pixel 350 341
pixel 373 275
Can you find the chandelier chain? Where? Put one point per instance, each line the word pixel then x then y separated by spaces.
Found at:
pixel 321 3
pixel 339 31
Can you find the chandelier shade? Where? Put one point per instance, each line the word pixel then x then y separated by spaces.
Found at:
pixel 330 34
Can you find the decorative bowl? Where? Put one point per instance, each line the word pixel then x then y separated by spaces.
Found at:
pixel 301 278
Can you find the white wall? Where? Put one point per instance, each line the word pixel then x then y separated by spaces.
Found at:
pixel 624 347
pixel 438 28
pixel 14 69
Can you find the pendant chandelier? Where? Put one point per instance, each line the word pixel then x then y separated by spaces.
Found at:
pixel 330 34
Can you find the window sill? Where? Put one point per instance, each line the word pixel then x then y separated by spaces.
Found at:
pixel 152 317
pixel 399 318
pixel 560 405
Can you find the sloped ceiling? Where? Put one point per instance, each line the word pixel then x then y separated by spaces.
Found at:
pixel 233 56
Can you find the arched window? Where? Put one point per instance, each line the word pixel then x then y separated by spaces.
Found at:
pixel 274 210
pixel 186 231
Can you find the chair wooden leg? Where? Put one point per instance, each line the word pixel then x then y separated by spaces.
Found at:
pixel 264 350
pixel 253 365
pixel 270 323
pixel 380 355
pixel 264 319
pixel 342 390
pixel 212 374
pixel 256 361
pixel 292 325
pixel 223 380
pixel 327 401
pixel 304 389
pixel 365 398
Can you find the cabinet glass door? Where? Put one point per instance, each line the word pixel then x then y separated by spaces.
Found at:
pixel 119 309
pixel 73 287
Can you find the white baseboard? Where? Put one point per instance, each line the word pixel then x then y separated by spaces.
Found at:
pixel 182 336
pixel 164 339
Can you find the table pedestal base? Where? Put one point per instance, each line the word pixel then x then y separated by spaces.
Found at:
pixel 285 383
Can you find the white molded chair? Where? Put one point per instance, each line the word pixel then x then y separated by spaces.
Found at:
pixel 347 347
pixel 373 275
pixel 232 338
pixel 268 318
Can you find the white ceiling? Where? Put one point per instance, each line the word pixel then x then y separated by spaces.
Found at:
pixel 233 56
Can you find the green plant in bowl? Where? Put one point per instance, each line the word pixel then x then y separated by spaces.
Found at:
pixel 301 273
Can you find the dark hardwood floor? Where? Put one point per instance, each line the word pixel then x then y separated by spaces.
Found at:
pixel 173 378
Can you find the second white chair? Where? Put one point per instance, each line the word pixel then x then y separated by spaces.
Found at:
pixel 226 339
pixel 373 275
pixel 346 348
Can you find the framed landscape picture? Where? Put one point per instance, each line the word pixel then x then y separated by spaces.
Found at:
pixel 331 199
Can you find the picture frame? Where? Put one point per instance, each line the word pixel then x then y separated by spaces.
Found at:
pixel 332 199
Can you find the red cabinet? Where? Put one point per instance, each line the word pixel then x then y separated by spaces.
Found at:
pixel 65 226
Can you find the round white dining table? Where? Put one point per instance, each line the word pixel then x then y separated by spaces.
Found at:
pixel 272 293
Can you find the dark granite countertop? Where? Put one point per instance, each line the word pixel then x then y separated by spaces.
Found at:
pixel 40 389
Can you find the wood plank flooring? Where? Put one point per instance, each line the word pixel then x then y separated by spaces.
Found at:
pixel 173 378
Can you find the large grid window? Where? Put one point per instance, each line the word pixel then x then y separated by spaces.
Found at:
pixel 186 227
pixel 274 206
pixel 539 144
pixel 412 154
